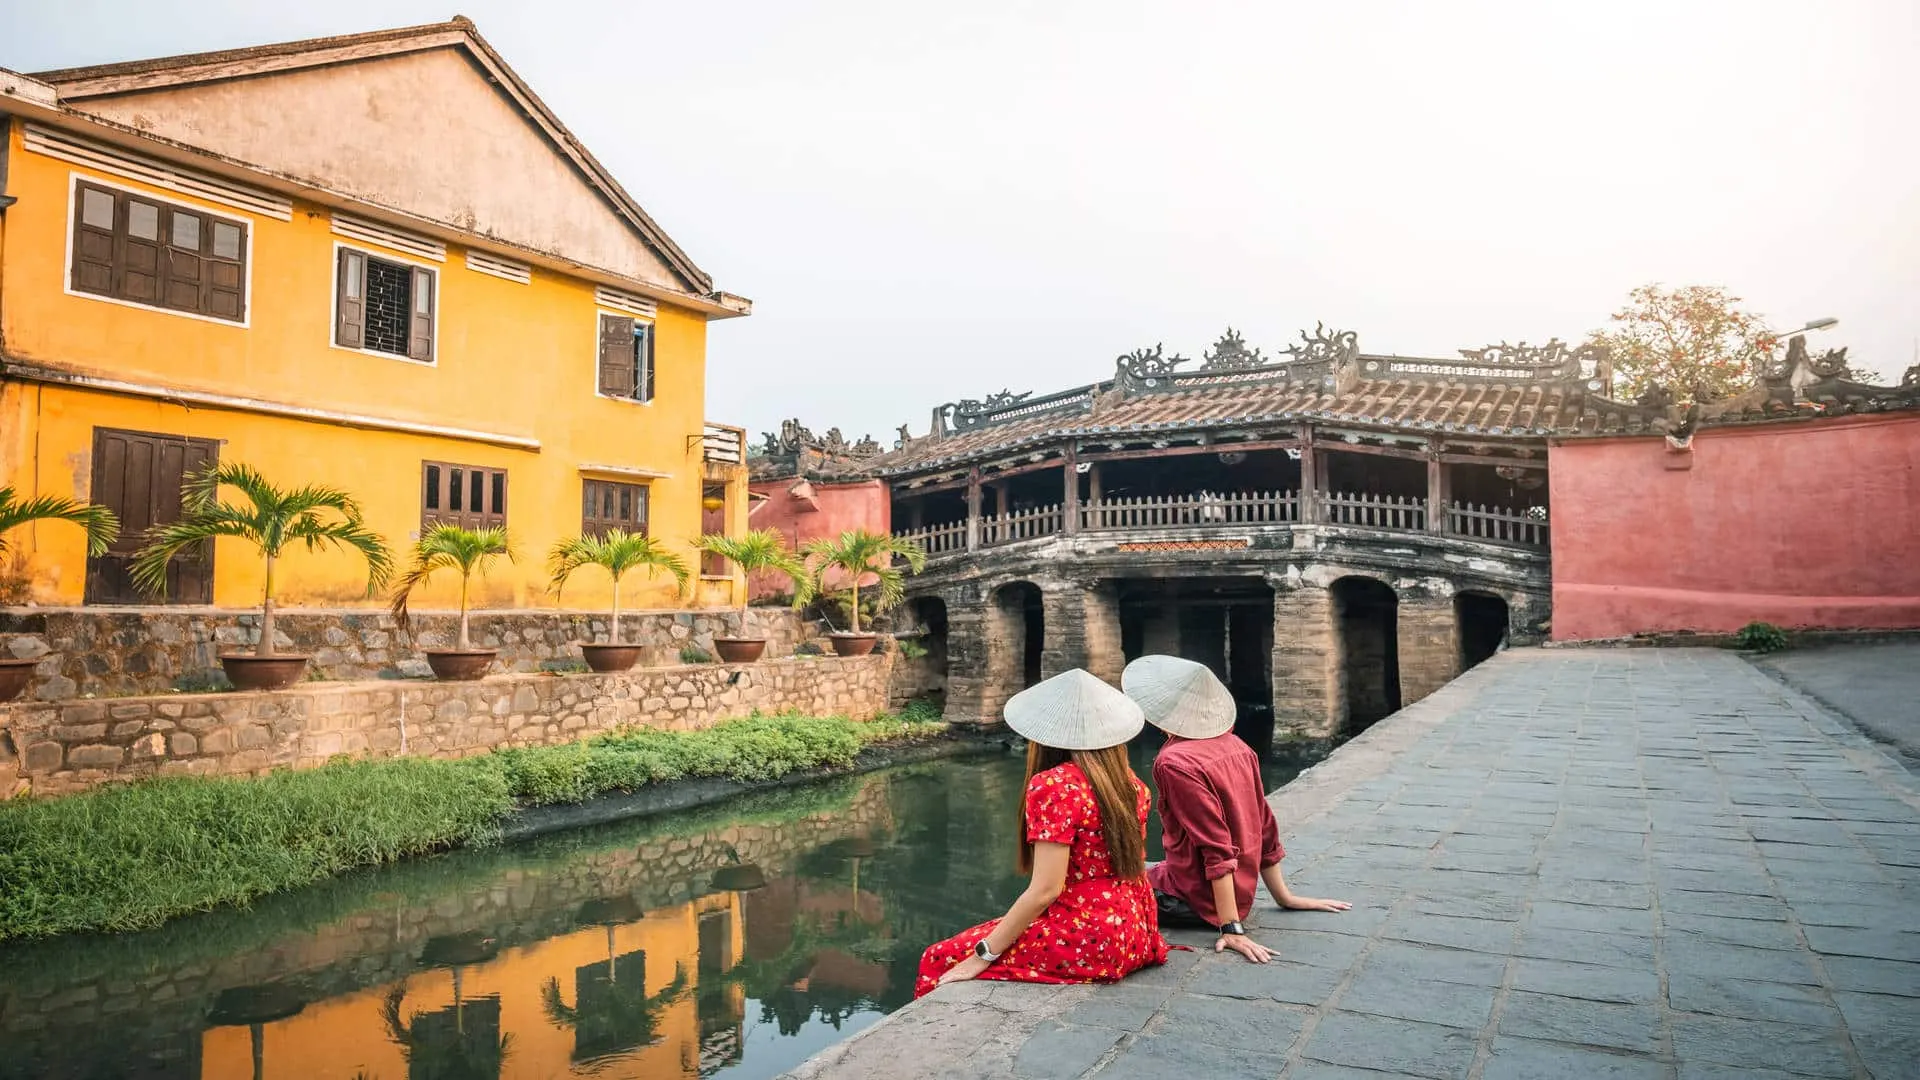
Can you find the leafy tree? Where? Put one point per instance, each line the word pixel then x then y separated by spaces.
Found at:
pixel 616 552
pixel 270 519
pixel 1695 341
pixel 98 521
pixel 450 547
pixel 859 553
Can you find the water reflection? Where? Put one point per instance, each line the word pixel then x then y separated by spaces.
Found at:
pixel 731 942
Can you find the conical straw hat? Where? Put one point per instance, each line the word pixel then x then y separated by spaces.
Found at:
pixel 1074 711
pixel 1180 697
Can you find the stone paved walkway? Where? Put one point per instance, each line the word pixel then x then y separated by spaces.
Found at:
pixel 1875 685
pixel 1568 864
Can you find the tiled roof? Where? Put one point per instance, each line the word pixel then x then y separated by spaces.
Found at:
pixel 1500 392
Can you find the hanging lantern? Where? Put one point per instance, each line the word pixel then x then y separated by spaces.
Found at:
pixel 713 502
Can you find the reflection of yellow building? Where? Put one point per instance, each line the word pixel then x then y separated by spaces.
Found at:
pixel 376 262
pixel 348 1036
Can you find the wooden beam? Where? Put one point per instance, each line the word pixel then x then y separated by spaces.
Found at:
pixel 1309 477
pixel 1475 459
pixel 1180 451
pixel 1379 451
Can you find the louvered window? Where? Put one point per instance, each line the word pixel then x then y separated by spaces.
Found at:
pixel 463 495
pixel 130 246
pixel 609 504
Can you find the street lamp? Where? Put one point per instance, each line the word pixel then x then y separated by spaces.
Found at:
pixel 1827 323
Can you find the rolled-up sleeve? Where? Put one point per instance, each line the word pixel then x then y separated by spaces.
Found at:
pixel 1189 803
pixel 1270 850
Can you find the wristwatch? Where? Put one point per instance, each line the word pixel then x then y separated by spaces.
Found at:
pixel 980 950
pixel 1233 927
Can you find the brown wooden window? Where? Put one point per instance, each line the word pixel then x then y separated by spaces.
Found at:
pixel 383 306
pixel 464 495
pixel 609 504
pixel 626 358
pixel 134 247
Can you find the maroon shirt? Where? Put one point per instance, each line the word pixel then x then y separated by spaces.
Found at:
pixel 1214 821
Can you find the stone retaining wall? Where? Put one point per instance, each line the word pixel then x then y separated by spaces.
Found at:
pixel 58 748
pixel 118 651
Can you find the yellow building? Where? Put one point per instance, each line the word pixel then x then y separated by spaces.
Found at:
pixel 376 262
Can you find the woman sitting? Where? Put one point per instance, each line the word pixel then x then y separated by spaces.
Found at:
pixel 1088 914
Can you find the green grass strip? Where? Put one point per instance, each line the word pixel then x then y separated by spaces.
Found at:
pixel 131 856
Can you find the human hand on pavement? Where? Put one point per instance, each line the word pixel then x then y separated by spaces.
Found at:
pixel 1245 946
pixel 1308 903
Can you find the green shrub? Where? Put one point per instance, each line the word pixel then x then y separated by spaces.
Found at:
pixel 694 654
pixel 1761 637
pixel 911 649
pixel 131 856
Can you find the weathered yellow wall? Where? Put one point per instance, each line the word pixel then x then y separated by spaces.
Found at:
pixel 511 359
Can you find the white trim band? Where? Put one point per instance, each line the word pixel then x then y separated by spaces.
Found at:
pixel 64 146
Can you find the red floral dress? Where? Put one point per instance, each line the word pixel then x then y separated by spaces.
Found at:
pixel 1099 929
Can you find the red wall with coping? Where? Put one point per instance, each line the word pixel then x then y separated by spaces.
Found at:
pixel 842 507
pixel 1801 524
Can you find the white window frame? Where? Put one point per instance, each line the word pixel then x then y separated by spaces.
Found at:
pixel 384 254
pixel 653 353
pixel 248 226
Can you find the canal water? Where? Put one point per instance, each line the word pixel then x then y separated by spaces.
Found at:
pixel 733 942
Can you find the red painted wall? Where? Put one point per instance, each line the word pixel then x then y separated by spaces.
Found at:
pixel 863 505
pixel 1801 524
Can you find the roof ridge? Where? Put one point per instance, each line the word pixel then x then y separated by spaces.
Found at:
pixel 223 56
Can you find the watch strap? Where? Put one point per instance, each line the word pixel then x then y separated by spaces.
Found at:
pixel 980 950
pixel 1233 927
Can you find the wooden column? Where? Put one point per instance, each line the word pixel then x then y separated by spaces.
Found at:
pixel 1437 493
pixel 973 509
pixel 1093 492
pixel 1309 477
pixel 1071 506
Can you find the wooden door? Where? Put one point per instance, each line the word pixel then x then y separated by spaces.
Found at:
pixel 137 475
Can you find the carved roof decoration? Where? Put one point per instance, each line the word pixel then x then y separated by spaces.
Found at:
pixel 1508 392
pixel 795 451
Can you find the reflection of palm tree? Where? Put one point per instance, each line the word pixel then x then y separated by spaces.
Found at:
pixel 433 1052
pixel 617 1016
pixel 255 1007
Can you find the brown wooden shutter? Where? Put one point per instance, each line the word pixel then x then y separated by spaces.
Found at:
pixel 616 356
pixel 643 361
pixel 223 293
pixel 420 324
pixel 181 271
pixel 350 300
pixel 139 256
pixel 93 241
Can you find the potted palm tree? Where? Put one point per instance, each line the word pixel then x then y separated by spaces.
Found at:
pixel 466 552
pixel 859 554
pixel 101 528
pixel 761 549
pixel 270 518
pixel 616 551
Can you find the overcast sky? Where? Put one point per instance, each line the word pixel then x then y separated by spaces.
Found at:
pixel 934 201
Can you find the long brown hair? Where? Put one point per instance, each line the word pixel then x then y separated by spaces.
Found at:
pixel 1113 793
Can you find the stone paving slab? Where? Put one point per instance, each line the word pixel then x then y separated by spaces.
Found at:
pixel 1568 863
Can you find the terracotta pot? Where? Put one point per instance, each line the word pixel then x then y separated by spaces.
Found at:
pixel 739 650
pixel 14 677
pixel 249 672
pixel 611 657
pixel 853 644
pixel 460 665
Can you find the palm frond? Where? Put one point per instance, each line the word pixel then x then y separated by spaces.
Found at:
pixel 98 521
pixel 617 552
pixel 149 568
pixel 448 547
pixel 860 553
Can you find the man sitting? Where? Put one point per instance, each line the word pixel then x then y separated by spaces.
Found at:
pixel 1218 831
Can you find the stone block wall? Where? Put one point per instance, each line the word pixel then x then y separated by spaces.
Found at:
pixel 117 651
pixel 56 748
pixel 1306 660
pixel 1429 644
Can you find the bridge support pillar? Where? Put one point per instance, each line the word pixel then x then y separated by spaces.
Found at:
pixel 1429 643
pixel 1306 661
pixel 1083 629
pixel 969 625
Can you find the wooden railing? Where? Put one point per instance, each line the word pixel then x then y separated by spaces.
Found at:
pixel 1396 513
pixel 1477 522
pixel 1022 525
pixel 938 539
pixel 1403 512
pixel 1205 508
